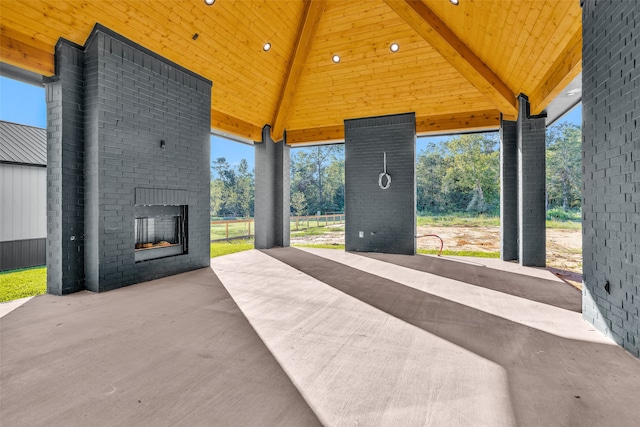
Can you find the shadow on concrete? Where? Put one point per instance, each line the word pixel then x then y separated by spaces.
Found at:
pixel 552 380
pixel 557 293
pixel 173 351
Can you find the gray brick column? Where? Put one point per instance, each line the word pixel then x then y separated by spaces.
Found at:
pixel 380 219
pixel 272 193
pixel 508 190
pixel 611 169
pixel 65 180
pixel 532 245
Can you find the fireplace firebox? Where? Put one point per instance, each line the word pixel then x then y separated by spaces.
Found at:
pixel 160 231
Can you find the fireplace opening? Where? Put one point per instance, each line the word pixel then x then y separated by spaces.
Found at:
pixel 160 231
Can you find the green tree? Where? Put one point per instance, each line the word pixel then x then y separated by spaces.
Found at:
pixel 234 188
pixel 298 203
pixel 334 185
pixel 460 174
pixel 431 167
pixel 474 169
pixel 318 173
pixel 216 190
pixel 564 151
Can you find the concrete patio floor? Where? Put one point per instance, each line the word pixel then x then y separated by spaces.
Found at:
pixel 301 336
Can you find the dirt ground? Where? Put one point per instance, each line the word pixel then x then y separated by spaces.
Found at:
pixel 564 247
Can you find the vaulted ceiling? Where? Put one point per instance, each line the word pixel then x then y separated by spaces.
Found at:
pixel 458 66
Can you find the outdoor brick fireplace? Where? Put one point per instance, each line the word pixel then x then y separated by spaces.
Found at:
pixel 136 199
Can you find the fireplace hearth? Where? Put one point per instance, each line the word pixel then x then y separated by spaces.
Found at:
pixel 160 231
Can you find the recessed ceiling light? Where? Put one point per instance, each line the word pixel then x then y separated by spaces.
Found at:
pixel 335 58
pixel 209 2
pixel 574 92
pixel 266 47
pixel 454 2
pixel 394 47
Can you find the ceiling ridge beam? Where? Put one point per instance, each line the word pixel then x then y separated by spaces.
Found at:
pixel 566 67
pixel 431 28
pixel 308 26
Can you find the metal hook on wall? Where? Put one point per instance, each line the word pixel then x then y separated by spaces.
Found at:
pixel 384 175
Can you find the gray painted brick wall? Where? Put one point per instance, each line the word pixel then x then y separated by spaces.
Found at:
pixel 532 246
pixel 135 100
pixel 387 218
pixel 265 198
pixel 272 192
pixel 508 190
pixel 611 169
pixel 65 183
pixel 283 194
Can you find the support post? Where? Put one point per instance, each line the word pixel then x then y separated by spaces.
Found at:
pixel 272 198
pixel 531 187
pixel 65 178
pixel 508 190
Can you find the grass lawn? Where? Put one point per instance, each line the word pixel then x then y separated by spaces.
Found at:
pixel 22 283
pixel 226 248
pixel 564 225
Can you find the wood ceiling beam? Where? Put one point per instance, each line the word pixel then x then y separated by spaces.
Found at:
pixel 308 26
pixel 426 125
pixel 25 56
pixel 235 126
pixel 442 39
pixel 566 67
pixel 447 123
pixel 321 134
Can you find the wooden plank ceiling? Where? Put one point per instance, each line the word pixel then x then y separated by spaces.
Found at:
pixel 458 67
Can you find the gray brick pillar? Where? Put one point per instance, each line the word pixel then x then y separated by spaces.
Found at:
pixel 65 179
pixel 380 214
pixel 272 201
pixel 611 169
pixel 508 190
pixel 532 245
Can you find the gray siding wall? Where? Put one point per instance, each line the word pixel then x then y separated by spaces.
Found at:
pixel 611 169
pixel 23 202
pixel 23 253
pixel 133 101
pixel 386 218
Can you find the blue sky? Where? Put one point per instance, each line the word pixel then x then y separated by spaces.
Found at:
pixel 25 104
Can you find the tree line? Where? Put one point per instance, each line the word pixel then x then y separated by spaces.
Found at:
pixel 459 175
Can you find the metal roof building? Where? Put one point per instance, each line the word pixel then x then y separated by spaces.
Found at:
pixel 21 144
pixel 23 196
